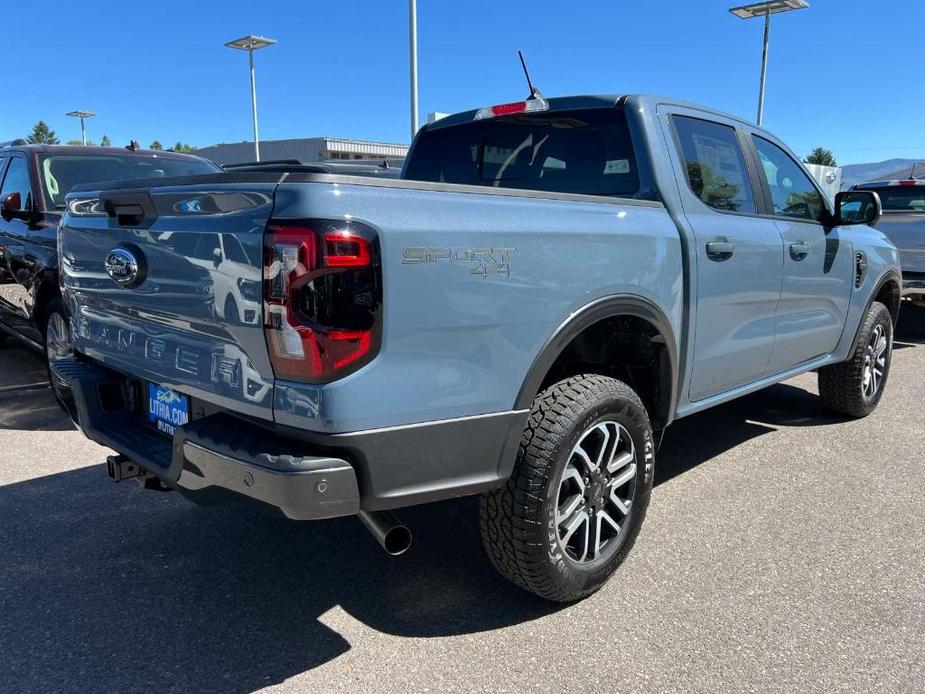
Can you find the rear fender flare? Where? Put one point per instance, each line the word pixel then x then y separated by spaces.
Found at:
pixel 600 309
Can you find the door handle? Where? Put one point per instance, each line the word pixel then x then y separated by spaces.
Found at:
pixel 798 251
pixel 720 249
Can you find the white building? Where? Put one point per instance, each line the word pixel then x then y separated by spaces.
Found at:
pixel 829 177
pixel 304 150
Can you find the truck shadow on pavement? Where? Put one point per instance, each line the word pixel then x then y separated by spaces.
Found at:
pixel 910 331
pixel 26 402
pixel 698 438
pixel 107 587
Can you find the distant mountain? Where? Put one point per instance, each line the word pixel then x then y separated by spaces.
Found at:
pixel 881 171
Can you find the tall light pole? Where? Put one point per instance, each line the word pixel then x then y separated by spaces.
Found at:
pixel 250 44
pixel 765 10
pixel 83 115
pixel 413 34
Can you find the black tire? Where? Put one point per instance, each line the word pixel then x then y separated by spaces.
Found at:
pixel 231 311
pixel 844 388
pixel 55 308
pixel 519 525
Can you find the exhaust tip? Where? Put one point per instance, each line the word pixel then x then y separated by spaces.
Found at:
pixel 397 541
pixel 393 535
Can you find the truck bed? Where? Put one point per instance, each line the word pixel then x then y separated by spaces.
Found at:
pixel 517 271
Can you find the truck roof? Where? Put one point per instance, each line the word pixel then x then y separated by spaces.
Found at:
pixel 896 182
pixel 563 103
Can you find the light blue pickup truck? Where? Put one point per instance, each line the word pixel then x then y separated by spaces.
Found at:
pixel 521 316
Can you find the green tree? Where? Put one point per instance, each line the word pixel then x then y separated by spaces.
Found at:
pixel 42 135
pixel 74 142
pixel 105 141
pixel 822 156
pixel 183 147
pixel 157 146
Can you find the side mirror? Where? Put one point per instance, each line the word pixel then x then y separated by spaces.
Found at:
pixel 857 207
pixel 11 207
pixel 216 256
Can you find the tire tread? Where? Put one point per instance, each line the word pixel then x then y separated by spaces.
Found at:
pixel 840 384
pixel 511 518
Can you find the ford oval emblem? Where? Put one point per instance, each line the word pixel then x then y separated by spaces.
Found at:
pixel 125 265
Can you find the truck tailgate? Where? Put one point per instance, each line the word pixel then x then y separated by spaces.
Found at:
pixel 907 232
pixel 190 318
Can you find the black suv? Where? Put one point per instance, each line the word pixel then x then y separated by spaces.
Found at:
pixel 35 180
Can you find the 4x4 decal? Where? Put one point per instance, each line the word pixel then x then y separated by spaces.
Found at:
pixel 484 262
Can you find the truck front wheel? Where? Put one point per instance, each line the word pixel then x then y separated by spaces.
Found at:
pixel 56 332
pixel 854 388
pixel 569 514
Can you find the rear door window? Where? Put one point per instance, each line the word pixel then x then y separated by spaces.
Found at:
pixel 587 151
pixel 714 164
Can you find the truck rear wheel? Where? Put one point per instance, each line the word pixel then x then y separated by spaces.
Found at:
pixel 569 514
pixel 854 388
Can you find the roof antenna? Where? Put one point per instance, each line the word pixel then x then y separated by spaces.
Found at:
pixel 912 173
pixel 534 92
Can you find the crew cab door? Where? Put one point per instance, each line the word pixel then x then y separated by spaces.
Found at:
pixel 737 259
pixel 5 276
pixel 15 299
pixel 818 262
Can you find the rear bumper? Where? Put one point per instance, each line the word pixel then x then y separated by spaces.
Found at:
pixel 309 488
pixel 305 475
pixel 211 456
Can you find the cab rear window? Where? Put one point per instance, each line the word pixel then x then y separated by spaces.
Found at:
pixel 587 151
pixel 901 198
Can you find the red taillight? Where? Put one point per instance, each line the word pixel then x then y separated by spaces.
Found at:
pixel 343 249
pixel 909 182
pixel 321 298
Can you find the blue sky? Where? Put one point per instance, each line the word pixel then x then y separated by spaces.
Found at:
pixel 844 74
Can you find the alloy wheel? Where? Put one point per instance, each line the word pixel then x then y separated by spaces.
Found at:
pixel 875 361
pixel 596 491
pixel 57 337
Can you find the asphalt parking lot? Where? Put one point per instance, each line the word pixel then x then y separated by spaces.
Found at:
pixel 783 551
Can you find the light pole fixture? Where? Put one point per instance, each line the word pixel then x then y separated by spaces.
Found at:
pixel 250 44
pixel 83 115
pixel 413 41
pixel 766 9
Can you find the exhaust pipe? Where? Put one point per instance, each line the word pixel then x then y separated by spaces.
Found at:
pixel 391 533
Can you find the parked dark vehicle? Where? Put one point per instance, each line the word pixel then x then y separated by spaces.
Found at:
pixel 35 180
pixel 382 168
pixel 903 222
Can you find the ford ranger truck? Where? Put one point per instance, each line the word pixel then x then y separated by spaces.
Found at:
pixel 520 316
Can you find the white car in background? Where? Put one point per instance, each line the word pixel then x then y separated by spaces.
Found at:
pixel 236 277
